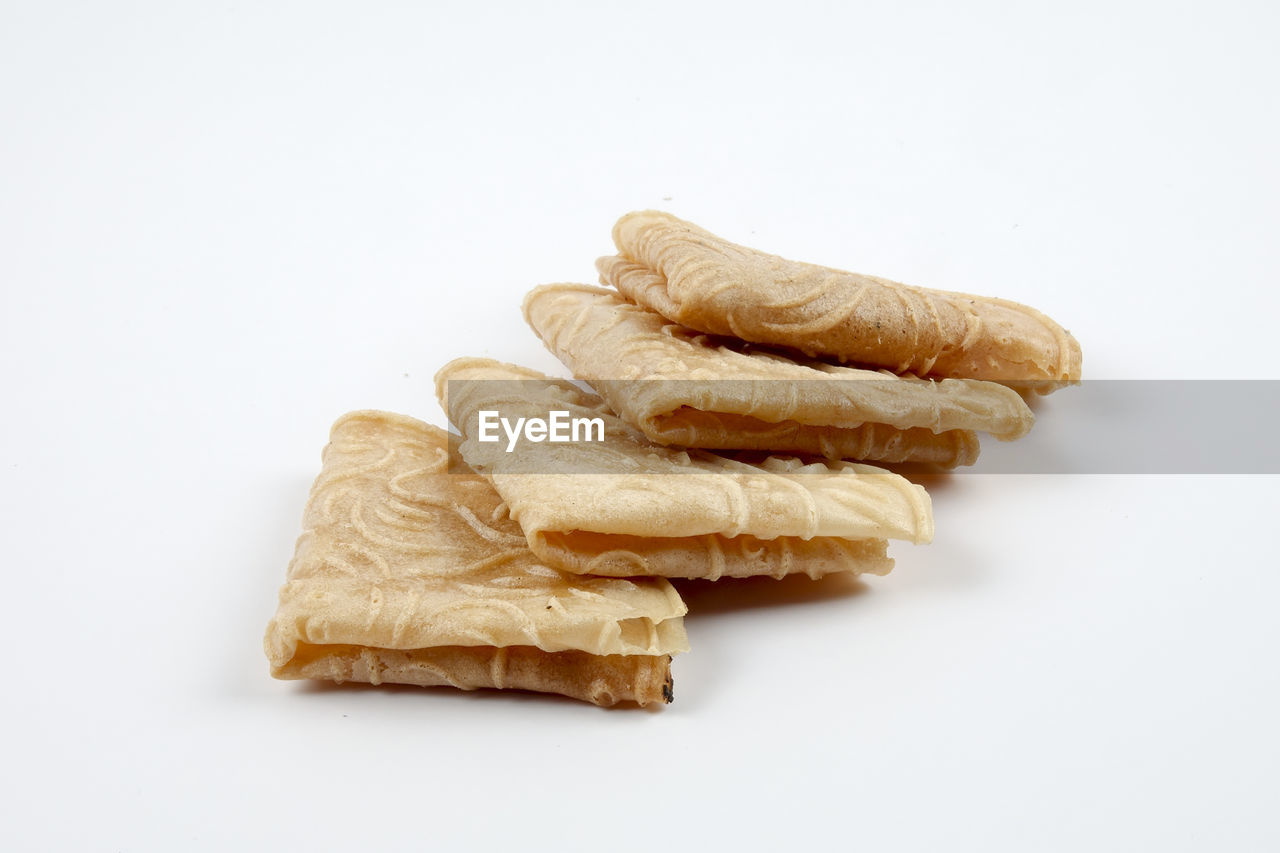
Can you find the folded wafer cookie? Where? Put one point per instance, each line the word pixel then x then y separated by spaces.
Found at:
pixel 623 506
pixel 699 280
pixel 684 388
pixel 407 573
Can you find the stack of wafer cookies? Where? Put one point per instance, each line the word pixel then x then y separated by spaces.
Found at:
pixel 738 398
pixel 704 282
pixel 408 573
pixel 690 389
pixel 626 507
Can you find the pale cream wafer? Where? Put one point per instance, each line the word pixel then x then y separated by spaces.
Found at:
pixel 602 679
pixel 408 573
pixel 713 555
pixel 684 388
pixel 695 278
pixel 624 506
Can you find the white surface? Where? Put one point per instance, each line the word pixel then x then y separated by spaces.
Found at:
pixel 223 225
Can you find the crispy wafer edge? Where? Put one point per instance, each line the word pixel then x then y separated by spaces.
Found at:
pixel 600 679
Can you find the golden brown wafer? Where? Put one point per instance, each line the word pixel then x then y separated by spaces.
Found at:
pixel 400 559
pixel 695 278
pixel 623 505
pixel 688 389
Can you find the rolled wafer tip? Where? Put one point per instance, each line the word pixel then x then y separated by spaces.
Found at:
pixel 630 226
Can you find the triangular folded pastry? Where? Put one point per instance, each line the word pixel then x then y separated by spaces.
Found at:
pixel 699 280
pixel 623 506
pixel 407 573
pixel 684 388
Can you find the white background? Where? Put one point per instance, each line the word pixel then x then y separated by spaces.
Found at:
pixel 224 224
